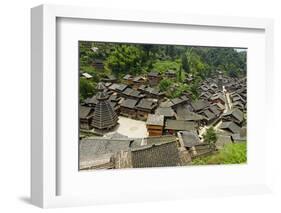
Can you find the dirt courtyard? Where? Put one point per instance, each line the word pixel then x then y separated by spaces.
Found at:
pixel 131 128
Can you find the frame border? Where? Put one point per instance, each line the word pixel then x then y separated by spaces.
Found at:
pixel 44 83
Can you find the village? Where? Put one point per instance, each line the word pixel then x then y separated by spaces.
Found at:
pixel 130 123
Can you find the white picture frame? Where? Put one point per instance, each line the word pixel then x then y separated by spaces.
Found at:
pixel 44 153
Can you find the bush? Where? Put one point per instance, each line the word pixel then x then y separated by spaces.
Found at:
pixel 230 154
pixel 165 84
pixel 210 136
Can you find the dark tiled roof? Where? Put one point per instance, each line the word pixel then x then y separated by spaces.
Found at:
pixel 190 138
pixel 199 104
pixel 84 111
pixel 93 100
pixel 142 87
pixel 236 113
pixel 215 110
pixel 230 126
pixel 133 93
pixel 219 106
pixel 205 95
pixel 138 78
pixel 127 77
pixel 129 103
pixel 218 96
pixel 180 125
pixel 114 86
pixel 110 77
pixel 183 113
pixel 146 103
pixel 166 111
pixel 104 116
pixel 153 74
pixel 114 97
pixel 121 87
pixel 176 101
pixel 154 119
pixel 90 149
pixel 166 103
pixel 208 114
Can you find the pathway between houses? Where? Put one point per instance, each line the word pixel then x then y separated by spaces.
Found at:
pixel 228 106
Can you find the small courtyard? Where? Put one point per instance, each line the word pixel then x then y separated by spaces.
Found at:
pixel 131 128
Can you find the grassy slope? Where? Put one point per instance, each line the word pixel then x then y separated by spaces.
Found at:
pixel 230 154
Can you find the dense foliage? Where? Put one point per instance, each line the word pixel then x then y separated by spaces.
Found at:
pixel 210 136
pixel 138 59
pixel 230 154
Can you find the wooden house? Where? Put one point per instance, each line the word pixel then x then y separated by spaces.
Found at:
pixel 109 79
pixel 173 126
pixel 234 115
pixel 219 106
pixel 179 101
pixel 128 108
pixel 132 93
pixel 85 116
pixel 183 113
pixel 167 112
pixel 119 88
pixel 230 127
pixel 209 116
pixel 151 92
pixel 144 107
pixel 153 78
pixel 217 98
pixel 154 124
pixel 199 105
pixel 138 81
pixel 128 79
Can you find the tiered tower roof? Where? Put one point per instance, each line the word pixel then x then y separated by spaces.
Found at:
pixel 104 115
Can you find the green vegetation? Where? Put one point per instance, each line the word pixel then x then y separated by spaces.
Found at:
pixel 210 136
pixel 230 154
pixel 139 59
pixel 87 88
pixel 163 66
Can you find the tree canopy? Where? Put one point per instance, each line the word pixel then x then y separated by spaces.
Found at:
pixel 120 59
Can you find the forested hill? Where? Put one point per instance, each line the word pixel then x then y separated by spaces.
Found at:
pixel 139 59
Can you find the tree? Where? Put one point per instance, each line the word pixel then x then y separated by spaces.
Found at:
pixel 165 84
pixel 184 63
pixel 210 136
pixel 125 59
pixel 87 89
